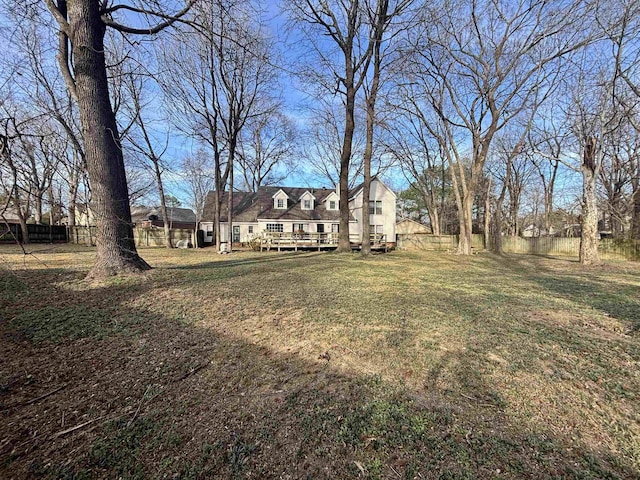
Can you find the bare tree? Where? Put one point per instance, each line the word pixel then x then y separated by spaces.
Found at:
pixel 419 155
pixel 382 14
pixel 54 101
pixel 620 20
pixel 482 64
pixel 546 136
pixel 217 82
pixel 619 167
pixel 590 119
pixel 81 56
pixel 198 176
pixel 342 69
pixel 265 150
pixel 14 165
pixel 509 171
pixel 322 144
pixel 144 141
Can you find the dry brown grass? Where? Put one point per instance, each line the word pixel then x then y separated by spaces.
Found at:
pixel 414 364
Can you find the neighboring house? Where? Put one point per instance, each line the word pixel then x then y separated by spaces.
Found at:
pixel 532 230
pixel 152 216
pixel 309 210
pixel 406 225
pixel 85 217
pixel 10 216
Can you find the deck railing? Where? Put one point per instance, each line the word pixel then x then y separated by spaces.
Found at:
pixel 311 240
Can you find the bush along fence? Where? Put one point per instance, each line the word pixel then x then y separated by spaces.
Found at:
pixel 143 237
pixel 10 232
pixel 609 248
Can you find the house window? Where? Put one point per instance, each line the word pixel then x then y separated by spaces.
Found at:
pixel 306 204
pixel 375 207
pixel 332 205
pixel 335 228
pixel 378 229
pixel 280 203
pixel 275 227
pixel 298 227
pixel 250 228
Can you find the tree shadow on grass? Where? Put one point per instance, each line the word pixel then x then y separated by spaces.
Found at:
pixel 232 262
pixel 590 286
pixel 162 398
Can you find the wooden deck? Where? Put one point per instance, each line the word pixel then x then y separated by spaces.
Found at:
pixel 315 241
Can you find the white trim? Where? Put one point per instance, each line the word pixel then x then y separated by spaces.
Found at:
pixel 329 198
pixel 304 197
pixel 319 220
pixel 275 194
pixel 361 189
pixel 305 193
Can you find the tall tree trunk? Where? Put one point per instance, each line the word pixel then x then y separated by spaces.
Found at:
pixel 17 202
pixel 635 216
pixel 380 22
pixel 37 214
pixel 53 218
pixel 73 199
pixel 24 229
pixel 496 221
pixel 344 243
pixel 216 219
pixel 116 250
pixel 22 213
pixel 366 186
pixel 434 219
pixel 163 205
pixel 465 216
pixel 487 216
pixel 589 237
pixel 230 205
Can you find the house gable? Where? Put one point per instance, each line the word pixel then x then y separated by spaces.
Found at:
pixel 332 202
pixel 307 201
pixel 406 225
pixel 280 200
pixel 357 191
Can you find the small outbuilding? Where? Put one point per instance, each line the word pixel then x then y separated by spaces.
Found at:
pixel 406 225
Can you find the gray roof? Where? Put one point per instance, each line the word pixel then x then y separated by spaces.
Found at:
pixel 175 214
pixel 250 206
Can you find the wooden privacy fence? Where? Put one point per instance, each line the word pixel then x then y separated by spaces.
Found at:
pixel 609 248
pixel 9 232
pixel 427 241
pixel 143 237
pixel 542 245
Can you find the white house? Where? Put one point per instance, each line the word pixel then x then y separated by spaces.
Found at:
pixel 296 210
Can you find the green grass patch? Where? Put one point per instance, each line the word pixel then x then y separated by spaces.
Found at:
pixel 414 364
pixel 57 324
pixel 11 285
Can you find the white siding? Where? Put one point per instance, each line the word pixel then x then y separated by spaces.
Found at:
pixel 387 219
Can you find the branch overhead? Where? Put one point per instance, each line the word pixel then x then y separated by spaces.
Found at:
pixel 169 19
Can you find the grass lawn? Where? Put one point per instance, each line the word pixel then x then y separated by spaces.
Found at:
pixel 318 365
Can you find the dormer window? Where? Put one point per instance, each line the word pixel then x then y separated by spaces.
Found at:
pixel 306 201
pixel 332 201
pixel 280 200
